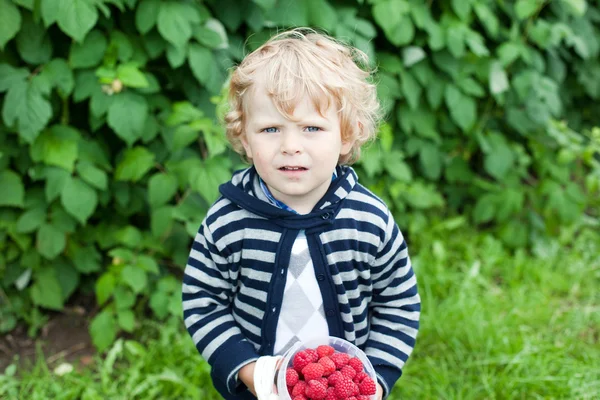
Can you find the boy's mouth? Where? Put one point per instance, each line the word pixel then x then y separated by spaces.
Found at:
pixel 290 168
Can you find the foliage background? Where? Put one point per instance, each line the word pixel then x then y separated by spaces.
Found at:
pixel 111 150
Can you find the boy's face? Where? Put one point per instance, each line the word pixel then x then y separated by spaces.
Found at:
pixel 295 159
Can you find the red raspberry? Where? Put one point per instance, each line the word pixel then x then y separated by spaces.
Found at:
pixel 340 359
pixel 355 389
pixel 331 394
pixel 312 371
pixel 332 379
pixel 313 356
pixel 324 381
pixel 328 365
pixel 316 390
pixel 324 351
pixel 363 397
pixel 300 397
pixel 344 387
pixel 291 377
pixel 367 386
pixel 301 360
pixel 360 376
pixel 348 371
pixel 355 363
pixel 351 398
pixel 299 388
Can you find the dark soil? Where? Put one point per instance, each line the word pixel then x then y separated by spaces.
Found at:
pixel 64 338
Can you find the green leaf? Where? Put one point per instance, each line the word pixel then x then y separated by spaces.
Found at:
pixel 10 75
pixel 129 236
pixel 372 160
pixel 499 160
pixel 148 264
pixel 161 221
pixel 13 190
pixel 146 15
pixel 509 52
pixel 49 10
pixel 176 55
pixel 412 55
pixel 159 304
pixel 397 168
pixel 67 276
pixel 124 298
pixel 131 76
pixel 126 320
pixel 422 196
pixel 89 53
pixel 435 93
pixel 57 146
pixel 322 14
pixel 288 13
pixel 56 179
pixel 60 76
pixel 76 18
pixel 205 180
pixel 576 7
pixel 135 277
pixel 26 109
pixel 31 220
pixel 105 286
pixel 103 330
pixel 526 8
pixel 79 199
pixel 86 259
pixel 487 18
pixel 212 34
pixel 462 8
pixel 204 66
pixel 411 89
pixel 33 43
pixel 392 16
pixel 134 165
pixel 463 108
pixel 50 241
pixel 431 161
pixel 485 209
pixel 498 78
pixel 161 188
pixel 127 115
pixel 174 23
pixel 10 22
pixel 92 175
pixel 456 40
pixel 46 291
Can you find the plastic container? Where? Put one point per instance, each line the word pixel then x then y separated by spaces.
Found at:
pixel 340 345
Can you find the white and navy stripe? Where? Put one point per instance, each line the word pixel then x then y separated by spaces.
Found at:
pixel 235 277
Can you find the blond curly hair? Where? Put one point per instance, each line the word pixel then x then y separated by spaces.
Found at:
pixel 302 62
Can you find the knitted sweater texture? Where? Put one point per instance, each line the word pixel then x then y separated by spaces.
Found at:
pixel 235 277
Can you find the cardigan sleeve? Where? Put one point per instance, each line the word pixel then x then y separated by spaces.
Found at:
pixel 207 297
pixel 394 310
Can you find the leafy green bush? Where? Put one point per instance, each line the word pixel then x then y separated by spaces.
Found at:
pixel 111 150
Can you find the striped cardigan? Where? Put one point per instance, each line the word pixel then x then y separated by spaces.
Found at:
pixel 235 277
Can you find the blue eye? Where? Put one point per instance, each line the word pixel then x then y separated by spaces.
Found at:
pixel 313 128
pixel 270 130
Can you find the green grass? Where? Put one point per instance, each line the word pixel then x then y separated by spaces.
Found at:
pixel 495 325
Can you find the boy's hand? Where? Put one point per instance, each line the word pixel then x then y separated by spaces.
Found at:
pixel 379 394
pixel 246 375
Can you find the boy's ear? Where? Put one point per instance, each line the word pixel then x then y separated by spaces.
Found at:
pixel 347 147
pixel 247 147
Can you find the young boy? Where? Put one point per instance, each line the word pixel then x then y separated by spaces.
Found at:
pixel 295 248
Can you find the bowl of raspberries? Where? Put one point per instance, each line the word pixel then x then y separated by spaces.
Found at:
pixel 327 368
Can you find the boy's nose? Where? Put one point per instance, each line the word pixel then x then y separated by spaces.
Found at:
pixel 291 143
